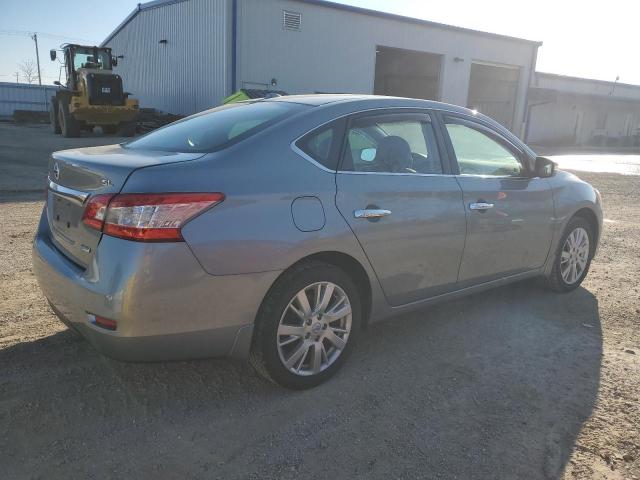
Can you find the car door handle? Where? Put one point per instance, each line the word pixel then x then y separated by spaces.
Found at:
pixel 371 213
pixel 480 206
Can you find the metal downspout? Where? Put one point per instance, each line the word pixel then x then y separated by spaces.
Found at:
pixel 234 44
pixel 527 107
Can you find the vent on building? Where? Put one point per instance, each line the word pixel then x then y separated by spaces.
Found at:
pixel 291 20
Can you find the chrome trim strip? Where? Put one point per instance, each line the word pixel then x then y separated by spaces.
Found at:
pixel 297 150
pixel 371 213
pixel 481 206
pixel 475 175
pixel 396 174
pixel 67 192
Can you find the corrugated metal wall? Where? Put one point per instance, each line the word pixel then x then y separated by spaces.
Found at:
pixel 188 73
pixel 20 96
pixel 335 51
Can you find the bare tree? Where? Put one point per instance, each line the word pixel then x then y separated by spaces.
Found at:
pixel 29 71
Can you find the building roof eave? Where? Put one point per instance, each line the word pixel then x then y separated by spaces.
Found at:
pixel 419 21
pixel 337 6
pixel 583 79
pixel 139 8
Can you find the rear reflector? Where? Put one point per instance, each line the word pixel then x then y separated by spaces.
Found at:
pixel 105 323
pixel 147 217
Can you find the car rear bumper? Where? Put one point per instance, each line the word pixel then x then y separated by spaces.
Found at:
pixel 165 305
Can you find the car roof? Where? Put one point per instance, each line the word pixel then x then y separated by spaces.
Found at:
pixel 371 100
pixel 317 99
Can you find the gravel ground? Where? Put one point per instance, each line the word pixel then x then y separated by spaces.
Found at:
pixel 514 383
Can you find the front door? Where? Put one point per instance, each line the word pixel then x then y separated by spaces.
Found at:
pixel 509 212
pixel 404 210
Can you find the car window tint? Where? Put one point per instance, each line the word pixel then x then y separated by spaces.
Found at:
pixel 359 139
pixel 412 132
pixel 392 144
pixel 216 129
pixel 318 146
pixel 479 154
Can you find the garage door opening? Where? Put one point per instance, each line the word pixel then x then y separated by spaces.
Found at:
pixel 407 73
pixel 493 91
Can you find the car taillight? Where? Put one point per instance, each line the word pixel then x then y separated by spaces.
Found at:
pixel 96 210
pixel 147 217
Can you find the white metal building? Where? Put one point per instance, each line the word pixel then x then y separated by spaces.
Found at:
pixel 579 111
pixel 22 96
pixel 183 56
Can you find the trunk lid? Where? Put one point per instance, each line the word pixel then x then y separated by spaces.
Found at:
pixel 75 175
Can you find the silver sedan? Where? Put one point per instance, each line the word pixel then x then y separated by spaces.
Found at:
pixel 276 230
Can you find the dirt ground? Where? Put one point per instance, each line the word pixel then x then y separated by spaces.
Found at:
pixel 516 383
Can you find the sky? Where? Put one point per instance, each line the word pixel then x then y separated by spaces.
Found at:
pixel 581 38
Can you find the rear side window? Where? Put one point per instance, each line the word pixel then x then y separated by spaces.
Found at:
pixel 319 146
pixel 216 129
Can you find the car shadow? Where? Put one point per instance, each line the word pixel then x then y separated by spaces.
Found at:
pixel 496 385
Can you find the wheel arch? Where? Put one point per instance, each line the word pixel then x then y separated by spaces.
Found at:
pixel 346 263
pixel 590 216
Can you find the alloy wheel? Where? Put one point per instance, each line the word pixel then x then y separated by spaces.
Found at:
pixel 314 328
pixel 574 256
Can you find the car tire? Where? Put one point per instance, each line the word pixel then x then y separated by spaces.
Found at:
pixel 69 126
pixel 53 116
pixel 563 278
pixel 109 129
pixel 275 353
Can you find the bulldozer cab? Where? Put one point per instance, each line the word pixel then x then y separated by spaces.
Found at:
pixel 93 94
pixel 77 57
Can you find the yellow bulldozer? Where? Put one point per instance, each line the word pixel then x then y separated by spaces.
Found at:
pixel 92 96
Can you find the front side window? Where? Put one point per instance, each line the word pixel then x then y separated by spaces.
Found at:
pixel 394 143
pixel 216 129
pixel 480 154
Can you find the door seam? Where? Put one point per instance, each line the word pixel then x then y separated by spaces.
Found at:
pixel 466 228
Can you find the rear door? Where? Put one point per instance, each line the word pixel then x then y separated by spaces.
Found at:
pixel 509 212
pixel 402 203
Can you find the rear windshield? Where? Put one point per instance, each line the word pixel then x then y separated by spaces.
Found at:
pixel 216 129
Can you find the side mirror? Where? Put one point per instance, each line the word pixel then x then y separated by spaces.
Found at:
pixel 114 61
pixel 368 154
pixel 544 167
pixel 56 82
pixel 53 54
